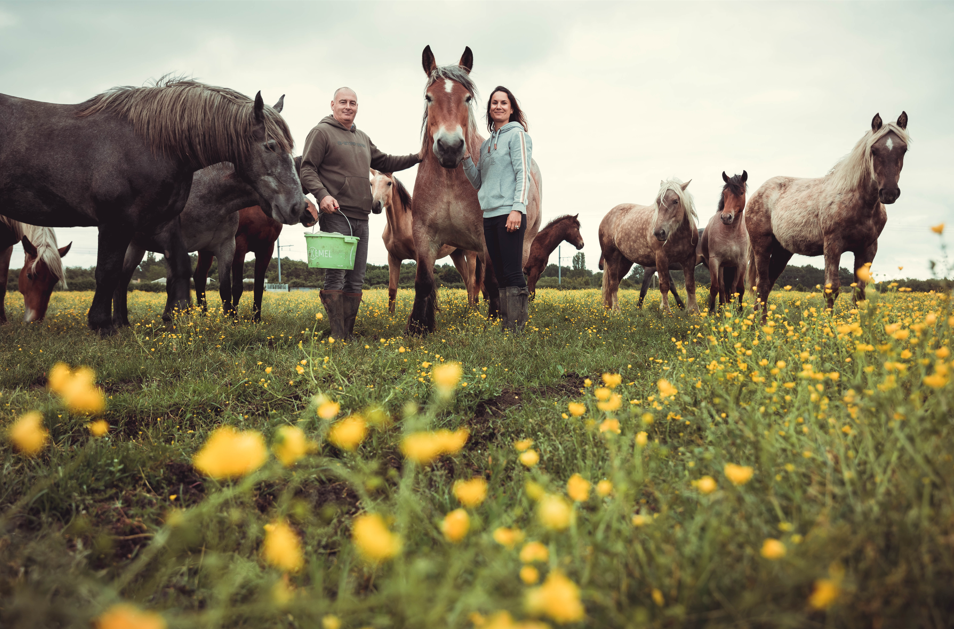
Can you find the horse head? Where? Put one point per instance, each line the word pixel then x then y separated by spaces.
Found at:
pixel 671 208
pixel 41 266
pixel 269 167
pixel 573 235
pixel 381 186
pixel 449 116
pixel 732 202
pixel 887 157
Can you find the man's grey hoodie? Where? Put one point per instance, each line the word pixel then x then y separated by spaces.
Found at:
pixel 502 174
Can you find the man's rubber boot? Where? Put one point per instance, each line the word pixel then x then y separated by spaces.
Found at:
pixel 334 306
pixel 351 302
pixel 517 299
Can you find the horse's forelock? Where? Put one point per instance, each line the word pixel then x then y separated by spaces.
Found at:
pixel 858 165
pixel 736 186
pixel 44 239
pixel 458 74
pixel 199 123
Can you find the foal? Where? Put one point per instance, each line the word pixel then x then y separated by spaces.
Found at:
pixel 559 229
pixel 725 243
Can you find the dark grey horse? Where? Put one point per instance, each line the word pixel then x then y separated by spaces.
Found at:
pixel 124 160
pixel 208 223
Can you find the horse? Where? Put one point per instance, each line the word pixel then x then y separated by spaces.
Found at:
pixel 390 195
pixel 648 273
pixel 724 243
pixel 444 205
pixel 562 228
pixel 651 235
pixel 42 266
pixel 123 161
pixel 840 212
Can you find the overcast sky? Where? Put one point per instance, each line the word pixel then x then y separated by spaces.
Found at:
pixel 618 95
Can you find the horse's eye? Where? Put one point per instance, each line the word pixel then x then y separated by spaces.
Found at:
pixel 389 183
pixel 468 99
pixel 428 98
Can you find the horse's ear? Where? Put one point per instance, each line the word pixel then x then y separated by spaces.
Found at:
pixel 28 247
pixel 685 185
pixel 428 61
pixel 467 59
pixel 259 108
pixel 903 120
pixel 725 177
pixel 374 173
pixel 876 122
pixel 64 250
pixel 661 182
pixel 280 104
pixel 577 217
pixel 745 176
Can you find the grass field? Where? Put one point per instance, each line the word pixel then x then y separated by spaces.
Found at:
pixel 640 469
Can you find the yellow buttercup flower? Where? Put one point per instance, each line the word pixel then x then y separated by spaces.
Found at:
pixel 98 428
pixel 126 616
pixel 529 575
pixel 864 273
pixel 330 621
pixel 665 389
pixel 424 447
pixel 77 388
pixel 521 446
pixel 601 393
pixel 604 488
pixel 578 488
pixel 471 492
pixel 576 409
pixel 738 474
pixel 529 458
pixel 229 453
pixel 612 380
pixel 825 593
pixel 508 538
pixel 706 484
pixel 291 445
pixel 642 438
pixel 772 549
pixel 613 403
pixel 534 551
pixel 327 409
pixel 558 598
pixel 610 425
pixel 348 433
pixel 446 377
pixel 375 543
pixel 938 229
pixel 282 548
pixel 554 512
pixel 534 490
pixel 455 525
pixel 658 597
pixel 28 434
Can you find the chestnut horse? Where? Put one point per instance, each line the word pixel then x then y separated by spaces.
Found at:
pixel 725 244
pixel 42 266
pixel 840 212
pixel 562 228
pixel 389 194
pixel 651 235
pixel 445 206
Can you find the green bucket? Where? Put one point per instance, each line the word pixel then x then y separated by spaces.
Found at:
pixel 328 250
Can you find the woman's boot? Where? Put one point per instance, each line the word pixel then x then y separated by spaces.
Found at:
pixel 517 299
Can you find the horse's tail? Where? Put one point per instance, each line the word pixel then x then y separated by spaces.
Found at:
pixel 600 264
pixel 606 280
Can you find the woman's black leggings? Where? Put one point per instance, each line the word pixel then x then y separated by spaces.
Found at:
pixel 506 250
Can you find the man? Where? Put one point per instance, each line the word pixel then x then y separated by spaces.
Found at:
pixel 335 166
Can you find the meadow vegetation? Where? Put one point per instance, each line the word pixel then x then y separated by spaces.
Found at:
pixel 603 469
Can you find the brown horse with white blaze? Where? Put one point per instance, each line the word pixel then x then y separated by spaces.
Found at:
pixel 444 205
pixel 724 243
pixel 562 228
pixel 840 212
pixel 42 266
pixel 652 236
pixel 390 195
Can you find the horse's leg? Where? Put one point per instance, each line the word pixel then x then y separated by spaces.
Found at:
pixel 112 243
pixel 394 278
pixel 201 275
pixel 131 260
pixel 665 280
pixel 862 258
pixel 180 272
pixel 238 276
pixel 479 285
pixel 688 272
pixel 224 255
pixel 714 288
pixel 459 258
pixel 491 287
pixel 623 265
pixel 648 273
pixel 832 281
pixel 262 259
pixel 4 271
pixel 422 320
pixel 609 277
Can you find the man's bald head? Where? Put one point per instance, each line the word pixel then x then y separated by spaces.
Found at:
pixel 344 106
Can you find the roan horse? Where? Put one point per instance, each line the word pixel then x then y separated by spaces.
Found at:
pixel 42 266
pixel 562 228
pixel 725 245
pixel 842 211
pixel 390 195
pixel 445 206
pixel 124 160
pixel 651 235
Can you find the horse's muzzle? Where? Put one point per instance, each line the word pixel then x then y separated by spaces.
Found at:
pixel 449 153
pixel 889 196
pixel 307 218
pixel 376 207
pixel 661 235
pixel 727 220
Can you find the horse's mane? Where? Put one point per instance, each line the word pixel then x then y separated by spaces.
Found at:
pixel 402 193
pixel 198 123
pixel 559 219
pixel 736 186
pixel 857 167
pixel 44 239
pixel 459 74
pixel 685 199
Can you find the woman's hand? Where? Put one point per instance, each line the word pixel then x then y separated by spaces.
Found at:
pixel 513 220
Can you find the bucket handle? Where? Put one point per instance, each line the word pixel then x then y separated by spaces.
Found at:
pixel 350 228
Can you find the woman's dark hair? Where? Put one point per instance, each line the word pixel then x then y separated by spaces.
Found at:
pixel 516 115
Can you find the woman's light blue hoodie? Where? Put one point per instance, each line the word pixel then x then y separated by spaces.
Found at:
pixel 502 175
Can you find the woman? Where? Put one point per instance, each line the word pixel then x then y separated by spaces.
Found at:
pixel 502 180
